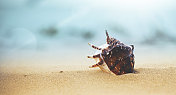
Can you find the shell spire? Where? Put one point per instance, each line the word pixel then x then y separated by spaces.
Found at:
pixel 107 35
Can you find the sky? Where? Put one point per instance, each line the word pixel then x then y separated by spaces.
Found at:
pixel 64 27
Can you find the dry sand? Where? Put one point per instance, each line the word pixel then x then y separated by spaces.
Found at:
pixel 79 80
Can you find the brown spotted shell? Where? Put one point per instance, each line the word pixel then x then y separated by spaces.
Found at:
pixel 120 60
pixel 118 57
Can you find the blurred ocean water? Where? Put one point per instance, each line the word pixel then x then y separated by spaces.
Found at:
pixel 60 29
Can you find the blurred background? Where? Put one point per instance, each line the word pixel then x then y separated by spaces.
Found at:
pixel 57 31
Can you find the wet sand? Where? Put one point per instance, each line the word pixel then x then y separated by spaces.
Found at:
pixel 80 80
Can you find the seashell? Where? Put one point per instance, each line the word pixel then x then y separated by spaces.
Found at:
pixel 115 57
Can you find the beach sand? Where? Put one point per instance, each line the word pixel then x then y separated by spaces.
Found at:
pixel 80 80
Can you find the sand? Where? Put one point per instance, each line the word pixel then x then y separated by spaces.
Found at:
pixel 80 80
